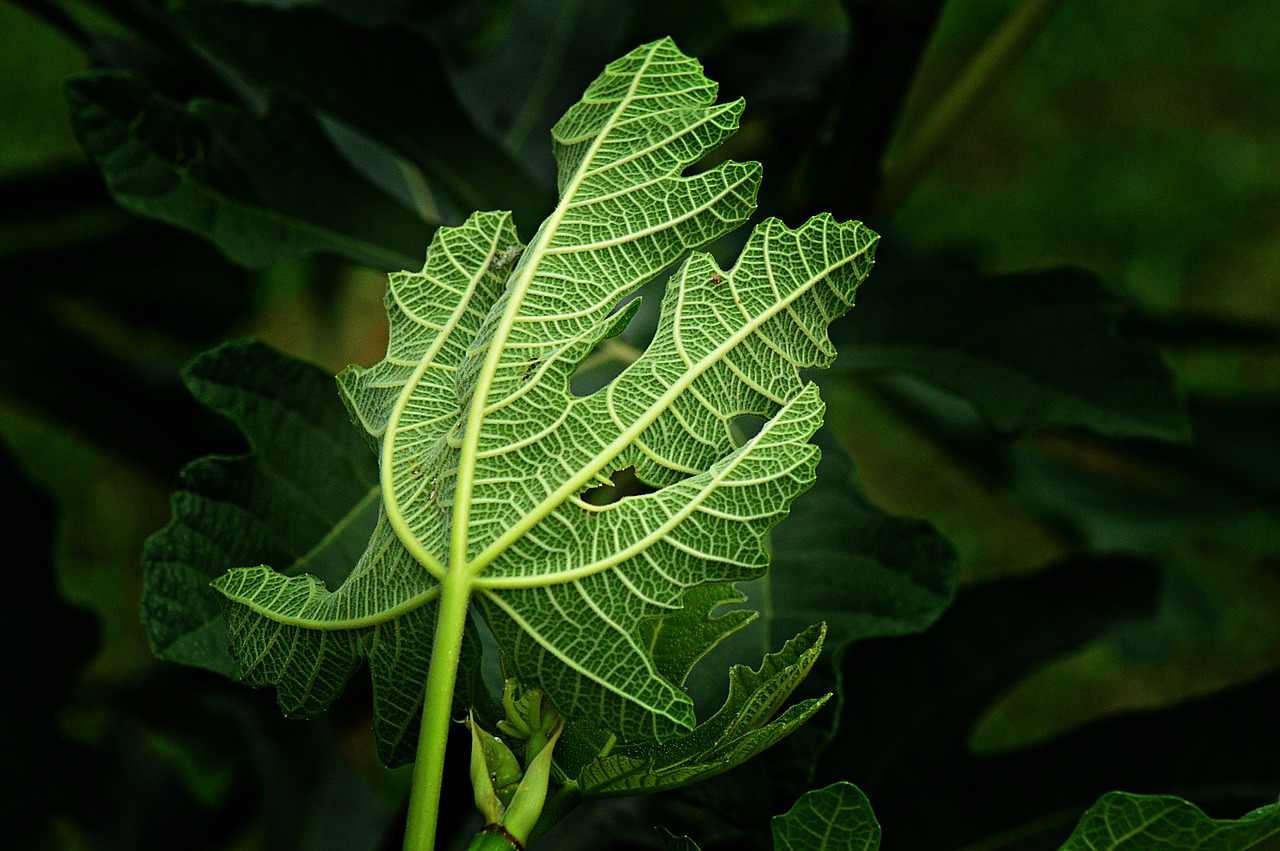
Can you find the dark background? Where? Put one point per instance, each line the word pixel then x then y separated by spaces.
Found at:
pixel 1094 237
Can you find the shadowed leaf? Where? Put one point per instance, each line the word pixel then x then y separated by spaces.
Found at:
pixel 305 497
pixel 261 189
pixel 351 72
pixel 1029 350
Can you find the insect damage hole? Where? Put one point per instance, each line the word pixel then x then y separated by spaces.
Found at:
pixel 625 483
pixel 632 325
pixel 530 367
pixel 744 427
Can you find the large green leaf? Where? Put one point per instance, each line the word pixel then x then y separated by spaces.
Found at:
pixel 250 185
pixel 486 454
pixel 1125 822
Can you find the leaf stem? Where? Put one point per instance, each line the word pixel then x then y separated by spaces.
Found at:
pixel 915 156
pixel 433 734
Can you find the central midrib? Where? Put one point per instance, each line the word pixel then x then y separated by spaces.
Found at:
pixel 484 381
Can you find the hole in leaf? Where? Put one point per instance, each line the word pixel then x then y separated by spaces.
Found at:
pixel 625 483
pixel 611 356
pixel 744 427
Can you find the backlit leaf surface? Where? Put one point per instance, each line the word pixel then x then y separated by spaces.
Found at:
pixel 485 453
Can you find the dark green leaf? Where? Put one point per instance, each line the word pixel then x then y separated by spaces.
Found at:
pixel 305 498
pixel 260 189
pixel 836 818
pixel 1029 350
pixel 531 64
pixel 682 638
pixel 361 76
pixel 841 560
pixel 1124 822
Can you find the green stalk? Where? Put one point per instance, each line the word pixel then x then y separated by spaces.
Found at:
pixel 437 709
pixel 913 159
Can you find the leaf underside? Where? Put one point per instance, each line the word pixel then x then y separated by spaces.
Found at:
pixel 485 452
pixel 741 729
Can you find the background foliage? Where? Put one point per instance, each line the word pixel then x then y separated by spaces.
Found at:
pixel 1067 362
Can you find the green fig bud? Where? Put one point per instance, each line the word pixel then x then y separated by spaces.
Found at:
pixel 495 772
pixel 525 807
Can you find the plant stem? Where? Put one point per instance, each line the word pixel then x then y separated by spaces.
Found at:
pixel 916 155
pixel 437 709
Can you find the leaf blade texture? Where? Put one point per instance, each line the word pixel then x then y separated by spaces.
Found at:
pixel 1121 821
pixel 838 816
pixel 486 454
pixel 743 727
pixel 305 497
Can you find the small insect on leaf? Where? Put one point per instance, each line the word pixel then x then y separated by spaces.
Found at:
pixel 716 279
pixel 506 256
